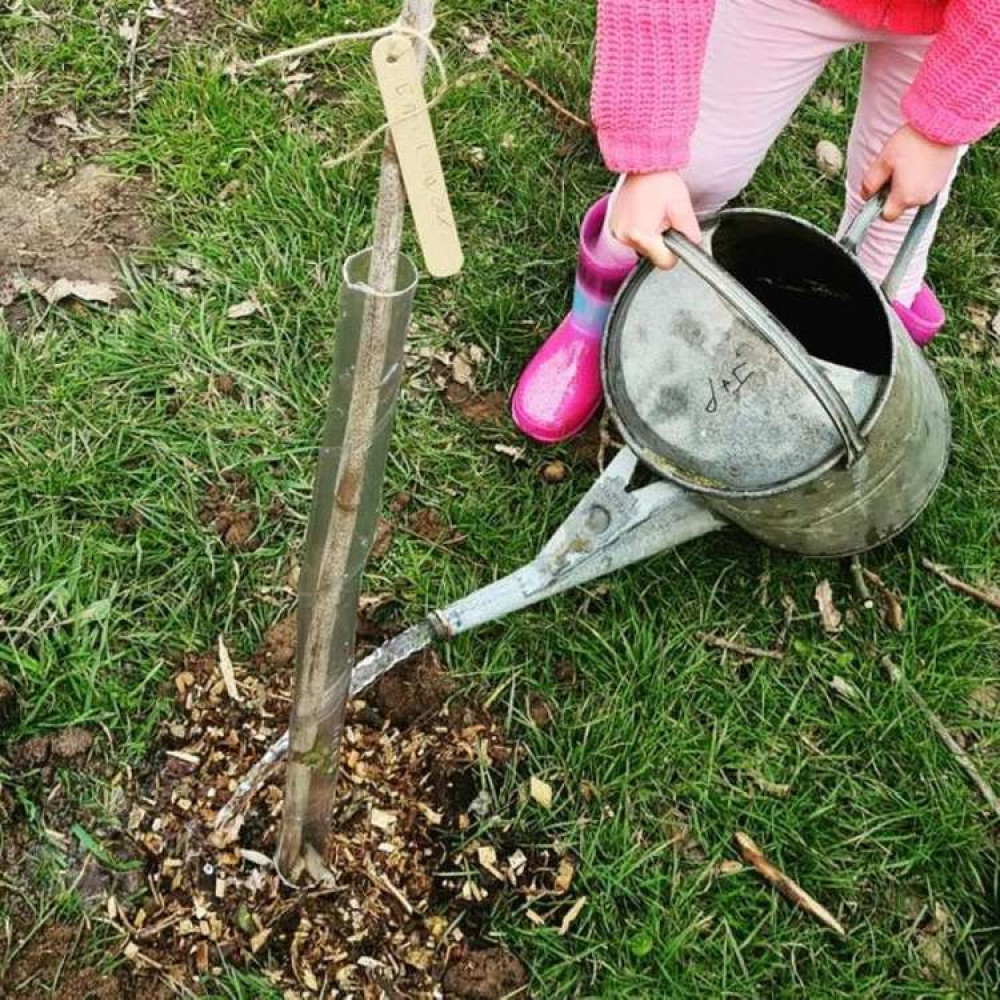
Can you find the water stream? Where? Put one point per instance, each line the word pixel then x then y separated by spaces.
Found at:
pixel 383 659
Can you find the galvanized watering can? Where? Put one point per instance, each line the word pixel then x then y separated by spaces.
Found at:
pixel 765 382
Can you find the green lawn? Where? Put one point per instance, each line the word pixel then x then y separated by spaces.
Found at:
pixel 108 415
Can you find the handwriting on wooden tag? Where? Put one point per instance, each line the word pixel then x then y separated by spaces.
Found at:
pixel 416 148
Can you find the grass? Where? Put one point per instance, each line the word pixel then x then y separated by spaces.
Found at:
pixel 102 415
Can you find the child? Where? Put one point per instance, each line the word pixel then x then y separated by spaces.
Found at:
pixel 687 102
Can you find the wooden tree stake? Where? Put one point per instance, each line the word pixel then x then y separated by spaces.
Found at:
pixel 322 673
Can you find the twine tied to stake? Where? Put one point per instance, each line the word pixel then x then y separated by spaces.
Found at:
pixel 397 27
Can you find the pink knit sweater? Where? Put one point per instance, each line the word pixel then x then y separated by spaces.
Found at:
pixel 650 52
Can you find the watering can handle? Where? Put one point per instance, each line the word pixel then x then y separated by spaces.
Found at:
pixel 863 221
pixel 760 319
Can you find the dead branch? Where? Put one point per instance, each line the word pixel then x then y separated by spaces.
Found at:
pixel 734 647
pixel 964 760
pixel 527 82
pixel 788 888
pixel 990 596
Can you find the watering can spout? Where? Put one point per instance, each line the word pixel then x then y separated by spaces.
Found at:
pixel 610 528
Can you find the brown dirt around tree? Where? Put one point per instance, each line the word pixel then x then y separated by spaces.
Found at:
pixel 391 919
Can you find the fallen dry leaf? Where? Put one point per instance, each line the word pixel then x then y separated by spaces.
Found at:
pixel 933 947
pixel 541 792
pixel 845 688
pixel 243 309
pixel 461 369
pixel 829 615
pixel 564 876
pixel 769 787
pixel 382 820
pixel 571 915
pixel 86 291
pixel 985 700
pixel 516 454
pixel 892 606
pixel 226 669
pixel 477 44
pixel 128 31
pixel 728 867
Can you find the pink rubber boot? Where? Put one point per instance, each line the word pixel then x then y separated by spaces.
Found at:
pixel 924 318
pixel 560 390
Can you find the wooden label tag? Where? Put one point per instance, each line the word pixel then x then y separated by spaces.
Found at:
pixel 416 148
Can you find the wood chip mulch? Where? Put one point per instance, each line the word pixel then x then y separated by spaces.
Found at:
pixel 399 908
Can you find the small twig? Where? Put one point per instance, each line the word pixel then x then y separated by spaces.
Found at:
pixel 860 584
pixel 786 626
pixel 964 760
pixel 525 81
pixel 133 48
pixel 383 883
pixel 734 647
pixel 788 888
pixel 990 597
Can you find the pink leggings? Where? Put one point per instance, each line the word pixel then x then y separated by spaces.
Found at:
pixel 763 57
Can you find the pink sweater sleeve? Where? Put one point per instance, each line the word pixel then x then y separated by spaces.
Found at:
pixel 646 80
pixel 955 98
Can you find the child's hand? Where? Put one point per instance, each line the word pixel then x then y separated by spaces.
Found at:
pixel 918 167
pixel 648 204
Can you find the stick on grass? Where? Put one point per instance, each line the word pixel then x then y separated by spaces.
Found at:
pixel 990 597
pixel 964 760
pixel 734 647
pixel 788 888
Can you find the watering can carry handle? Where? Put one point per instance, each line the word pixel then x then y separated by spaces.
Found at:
pixel 863 221
pixel 760 319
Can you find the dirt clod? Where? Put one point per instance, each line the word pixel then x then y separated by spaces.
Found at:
pixel 413 690
pixel 540 711
pixel 236 529
pixel 383 539
pixel 70 744
pixel 554 472
pixel 64 747
pixel 128 524
pixel 227 508
pixel 30 754
pixel 565 673
pixel 277 651
pixel 8 702
pixel 226 385
pixel 486 409
pixel 485 974
pixel 430 525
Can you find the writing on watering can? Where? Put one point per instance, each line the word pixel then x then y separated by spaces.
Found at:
pixel 731 386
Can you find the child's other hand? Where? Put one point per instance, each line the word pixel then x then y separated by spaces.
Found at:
pixel 648 204
pixel 918 167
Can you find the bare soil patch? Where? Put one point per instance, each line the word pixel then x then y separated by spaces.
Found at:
pixel 63 216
